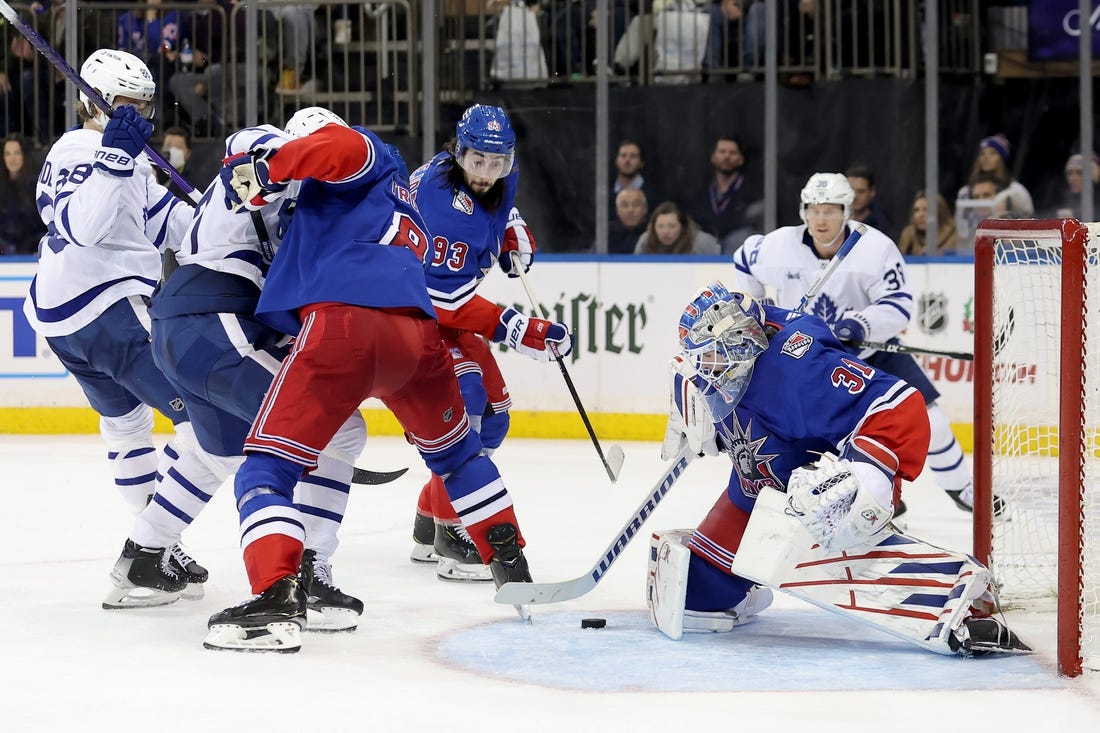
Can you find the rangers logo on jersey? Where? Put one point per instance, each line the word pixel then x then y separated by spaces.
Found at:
pixel 797 345
pixel 753 466
pixel 464 203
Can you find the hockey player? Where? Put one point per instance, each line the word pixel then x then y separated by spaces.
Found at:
pixel 209 344
pixel 108 222
pixel 466 195
pixel 348 280
pixel 867 298
pixel 838 445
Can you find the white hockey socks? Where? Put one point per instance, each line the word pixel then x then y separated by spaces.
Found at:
pixel 132 455
pixel 945 456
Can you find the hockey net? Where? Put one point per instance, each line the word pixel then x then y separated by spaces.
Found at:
pixel 1037 423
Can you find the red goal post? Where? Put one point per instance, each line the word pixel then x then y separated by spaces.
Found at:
pixel 1037 423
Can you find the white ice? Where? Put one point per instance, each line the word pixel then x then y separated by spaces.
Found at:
pixel 440 657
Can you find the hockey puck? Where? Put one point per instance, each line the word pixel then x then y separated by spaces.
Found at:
pixel 593 623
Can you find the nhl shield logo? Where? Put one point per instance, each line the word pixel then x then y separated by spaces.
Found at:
pixel 932 313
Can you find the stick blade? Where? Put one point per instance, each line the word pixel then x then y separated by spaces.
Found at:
pixel 615 459
pixel 374 478
pixel 519 594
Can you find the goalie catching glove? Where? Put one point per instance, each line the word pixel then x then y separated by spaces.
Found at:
pixel 247 179
pixel 842 503
pixel 689 418
pixel 538 338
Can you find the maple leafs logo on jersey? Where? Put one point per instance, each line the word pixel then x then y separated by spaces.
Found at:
pixel 752 464
pixel 826 309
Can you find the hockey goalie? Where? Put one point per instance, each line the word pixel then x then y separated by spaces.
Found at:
pixel 820 443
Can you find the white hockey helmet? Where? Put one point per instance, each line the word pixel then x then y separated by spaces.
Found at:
pixel 311 119
pixel 117 74
pixel 827 188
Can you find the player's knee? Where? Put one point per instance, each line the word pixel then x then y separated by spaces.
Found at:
pixel 124 431
pixel 264 475
pixel 473 393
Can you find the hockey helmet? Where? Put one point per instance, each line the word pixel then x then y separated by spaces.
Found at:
pixel 117 74
pixel 311 119
pixel 827 188
pixel 486 144
pixel 721 336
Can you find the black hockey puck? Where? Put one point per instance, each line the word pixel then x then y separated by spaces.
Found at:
pixel 593 623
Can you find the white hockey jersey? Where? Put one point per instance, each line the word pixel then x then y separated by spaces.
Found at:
pixel 232 242
pixel 870 283
pixel 104 235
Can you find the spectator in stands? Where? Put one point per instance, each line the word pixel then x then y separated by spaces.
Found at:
pixel 629 162
pixel 629 223
pixel 11 71
pixel 202 90
pixel 866 207
pixel 155 36
pixel 914 237
pixel 175 147
pixel 299 32
pixel 575 27
pixel 672 232
pixel 1068 203
pixel 721 207
pixel 992 160
pixel 724 44
pixel 20 225
pixel 795 32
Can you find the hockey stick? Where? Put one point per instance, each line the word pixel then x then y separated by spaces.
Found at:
pixel 367 477
pixel 522 593
pixel 62 65
pixel 902 349
pixel 858 231
pixel 613 461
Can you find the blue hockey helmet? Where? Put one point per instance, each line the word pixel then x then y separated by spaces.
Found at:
pixel 486 142
pixel 721 336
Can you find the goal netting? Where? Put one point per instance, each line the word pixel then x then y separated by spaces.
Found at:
pixel 1037 423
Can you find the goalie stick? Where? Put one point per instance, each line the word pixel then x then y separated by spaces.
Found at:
pixel 69 73
pixel 523 593
pixel 613 461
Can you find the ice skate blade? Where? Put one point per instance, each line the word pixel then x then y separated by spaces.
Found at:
pixel 283 637
pixel 331 620
pixel 523 611
pixel 423 554
pixel 132 596
pixel 453 571
pixel 193 592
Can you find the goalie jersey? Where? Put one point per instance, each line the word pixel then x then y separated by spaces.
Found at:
pixel 467 243
pixel 808 396
pixel 104 235
pixel 355 236
pixel 871 282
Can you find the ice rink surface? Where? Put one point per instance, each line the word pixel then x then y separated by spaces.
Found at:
pixel 442 657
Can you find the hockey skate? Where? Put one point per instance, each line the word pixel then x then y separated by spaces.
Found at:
pixel 144 577
pixel 459 560
pixel 328 609
pixel 269 622
pixel 189 570
pixel 423 539
pixel 978 637
pixel 964 499
pixel 508 564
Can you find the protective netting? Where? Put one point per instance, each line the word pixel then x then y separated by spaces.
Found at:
pixel 1028 292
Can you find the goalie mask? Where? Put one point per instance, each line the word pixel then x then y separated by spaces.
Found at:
pixel 117 74
pixel 827 188
pixel 486 143
pixel 721 336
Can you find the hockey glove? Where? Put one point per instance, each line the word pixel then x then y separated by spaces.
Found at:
pixel 518 239
pixel 124 137
pixel 689 418
pixel 838 509
pixel 539 339
pixel 247 179
pixel 852 326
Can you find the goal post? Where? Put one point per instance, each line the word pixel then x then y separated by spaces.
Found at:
pixel 1037 420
